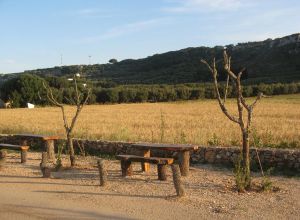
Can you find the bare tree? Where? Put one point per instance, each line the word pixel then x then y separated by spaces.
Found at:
pixel 244 121
pixel 79 101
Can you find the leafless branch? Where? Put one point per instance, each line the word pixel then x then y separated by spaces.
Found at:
pixel 222 105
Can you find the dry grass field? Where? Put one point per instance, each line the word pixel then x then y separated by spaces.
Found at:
pixel 276 122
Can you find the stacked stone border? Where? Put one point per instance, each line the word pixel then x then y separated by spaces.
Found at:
pixel 280 159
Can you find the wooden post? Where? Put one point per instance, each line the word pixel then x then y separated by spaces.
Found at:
pixel 146 166
pixel 23 155
pixel 177 180
pixel 184 162
pixel 3 154
pixel 162 172
pixel 45 168
pixel 49 147
pixel 102 172
pixel 126 168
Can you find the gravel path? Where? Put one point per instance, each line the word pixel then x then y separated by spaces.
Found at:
pixel 75 194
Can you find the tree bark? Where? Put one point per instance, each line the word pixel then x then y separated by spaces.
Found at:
pixel 71 150
pixel 246 159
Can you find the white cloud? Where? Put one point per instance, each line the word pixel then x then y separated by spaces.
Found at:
pixel 126 29
pixel 185 6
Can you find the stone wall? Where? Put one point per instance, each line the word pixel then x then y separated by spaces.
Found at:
pixel 281 159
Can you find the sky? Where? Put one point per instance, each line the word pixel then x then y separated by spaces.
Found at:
pixel 45 33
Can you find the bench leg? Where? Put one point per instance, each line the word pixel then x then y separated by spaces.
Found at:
pixel 3 154
pixel 146 166
pixel 126 168
pixel 23 156
pixel 162 172
pixel 49 147
pixel 184 162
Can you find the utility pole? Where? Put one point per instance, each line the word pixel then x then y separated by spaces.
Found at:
pixel 61 59
pixel 90 59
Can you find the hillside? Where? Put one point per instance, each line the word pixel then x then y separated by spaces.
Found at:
pixel 266 61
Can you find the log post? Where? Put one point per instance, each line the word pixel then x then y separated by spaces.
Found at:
pixel 102 172
pixel 184 162
pixel 126 168
pixel 162 172
pixel 177 180
pixel 23 155
pixel 3 154
pixel 145 166
pixel 49 147
pixel 45 168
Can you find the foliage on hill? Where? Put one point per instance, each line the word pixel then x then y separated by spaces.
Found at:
pixel 268 61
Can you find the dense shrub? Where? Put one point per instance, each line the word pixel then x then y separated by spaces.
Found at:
pixel 28 88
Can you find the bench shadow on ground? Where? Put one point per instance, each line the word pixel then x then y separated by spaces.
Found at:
pixel 112 176
pixel 38 211
pixel 105 194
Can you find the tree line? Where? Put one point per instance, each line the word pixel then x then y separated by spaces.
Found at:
pixel 29 88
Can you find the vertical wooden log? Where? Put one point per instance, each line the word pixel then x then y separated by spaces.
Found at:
pixel 44 158
pixel 45 168
pixel 102 172
pixel 177 180
pixel 126 168
pixel 49 147
pixel 23 155
pixel 184 162
pixel 3 154
pixel 162 172
pixel 145 166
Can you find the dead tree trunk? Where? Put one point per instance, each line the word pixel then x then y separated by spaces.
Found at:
pixel 79 100
pixel 245 125
pixel 246 159
pixel 71 149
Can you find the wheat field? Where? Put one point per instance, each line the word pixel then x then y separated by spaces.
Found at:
pixel 276 122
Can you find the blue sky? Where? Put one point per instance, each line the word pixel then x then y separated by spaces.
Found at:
pixel 34 33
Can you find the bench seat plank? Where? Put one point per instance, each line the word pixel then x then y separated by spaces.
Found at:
pixel 168 147
pixel 43 137
pixel 22 148
pixel 13 147
pixel 154 160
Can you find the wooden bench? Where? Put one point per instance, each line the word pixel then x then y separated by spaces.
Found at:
pixel 21 148
pixel 161 164
pixel 48 143
pixel 183 151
